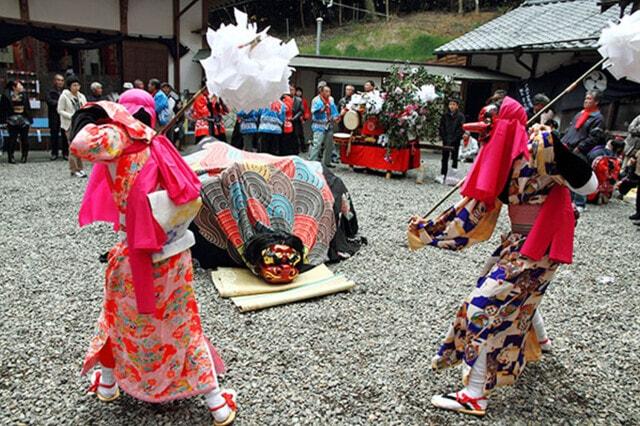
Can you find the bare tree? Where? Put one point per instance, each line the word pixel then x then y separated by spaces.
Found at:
pixel 302 14
pixel 477 6
pixel 460 7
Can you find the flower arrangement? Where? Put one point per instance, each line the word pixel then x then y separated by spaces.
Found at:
pixel 372 103
pixel 414 102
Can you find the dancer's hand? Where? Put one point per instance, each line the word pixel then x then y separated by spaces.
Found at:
pixel 416 223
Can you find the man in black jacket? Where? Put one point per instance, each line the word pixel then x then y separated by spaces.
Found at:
pixel 579 137
pixel 57 134
pixel 451 133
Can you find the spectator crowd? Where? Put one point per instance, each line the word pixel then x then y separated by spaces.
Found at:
pixel 614 159
pixel 278 129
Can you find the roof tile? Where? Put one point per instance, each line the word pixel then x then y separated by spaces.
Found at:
pixel 553 24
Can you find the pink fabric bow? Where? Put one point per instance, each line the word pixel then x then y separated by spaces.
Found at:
pixel 509 140
pixel 166 169
pixel 553 229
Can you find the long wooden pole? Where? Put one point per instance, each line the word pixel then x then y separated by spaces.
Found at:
pixel 569 88
pixel 181 112
pixel 531 121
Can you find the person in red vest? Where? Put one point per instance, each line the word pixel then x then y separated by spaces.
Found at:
pixel 290 144
pixel 209 111
pixel 306 116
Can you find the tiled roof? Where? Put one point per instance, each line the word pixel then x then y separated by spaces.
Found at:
pixel 538 25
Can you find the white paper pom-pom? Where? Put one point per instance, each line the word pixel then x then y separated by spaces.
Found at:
pixel 620 43
pixel 427 93
pixel 247 69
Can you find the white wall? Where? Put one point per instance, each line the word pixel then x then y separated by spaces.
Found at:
pixel 150 17
pixel 508 65
pixel 104 14
pixel 145 17
pixel 190 72
pixel 10 9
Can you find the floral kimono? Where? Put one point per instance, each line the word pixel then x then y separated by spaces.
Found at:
pixel 160 352
pixel 496 317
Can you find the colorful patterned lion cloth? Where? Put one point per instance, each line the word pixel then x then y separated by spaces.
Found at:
pixel 246 194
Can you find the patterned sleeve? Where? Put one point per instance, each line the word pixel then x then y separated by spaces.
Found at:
pixel 99 143
pixel 462 225
pixel 542 152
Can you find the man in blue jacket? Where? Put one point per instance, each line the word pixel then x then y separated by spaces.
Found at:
pixel 162 102
pixel 324 114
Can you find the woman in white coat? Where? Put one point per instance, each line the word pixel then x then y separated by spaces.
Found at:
pixel 71 100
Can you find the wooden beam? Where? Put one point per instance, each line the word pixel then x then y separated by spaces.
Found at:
pixel 534 65
pixel 176 39
pixel 41 24
pixel 24 10
pixel 124 14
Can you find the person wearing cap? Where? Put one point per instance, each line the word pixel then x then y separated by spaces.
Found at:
pixel 540 100
pixel 451 132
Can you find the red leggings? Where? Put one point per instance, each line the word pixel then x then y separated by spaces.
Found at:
pixel 105 356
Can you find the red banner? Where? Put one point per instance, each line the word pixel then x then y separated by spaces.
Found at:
pixel 375 157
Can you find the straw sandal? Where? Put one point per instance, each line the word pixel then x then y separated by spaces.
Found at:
pixel 95 380
pixel 229 401
pixel 460 403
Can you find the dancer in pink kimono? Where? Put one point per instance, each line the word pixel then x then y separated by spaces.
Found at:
pixel 150 342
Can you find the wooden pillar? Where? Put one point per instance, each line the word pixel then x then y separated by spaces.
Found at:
pixel 205 22
pixel 611 114
pixel 176 40
pixel 24 10
pixel 124 13
pixel 124 29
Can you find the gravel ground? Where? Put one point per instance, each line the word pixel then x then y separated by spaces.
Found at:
pixel 355 358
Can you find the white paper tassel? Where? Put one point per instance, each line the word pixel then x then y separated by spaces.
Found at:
pixel 247 69
pixel 620 43
pixel 427 93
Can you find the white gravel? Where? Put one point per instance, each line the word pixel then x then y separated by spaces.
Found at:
pixel 355 358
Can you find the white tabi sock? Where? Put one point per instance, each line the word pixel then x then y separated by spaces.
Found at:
pixel 107 386
pixel 217 405
pixel 215 401
pixel 541 334
pixel 470 399
pixel 107 377
pixel 477 378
